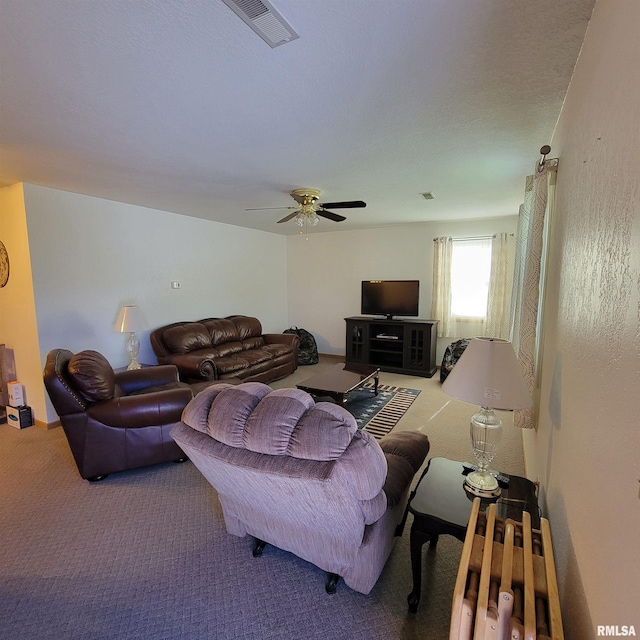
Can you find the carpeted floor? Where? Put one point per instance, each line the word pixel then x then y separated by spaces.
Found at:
pixel 144 554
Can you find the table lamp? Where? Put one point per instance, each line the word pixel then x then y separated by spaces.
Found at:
pixel 487 374
pixel 129 321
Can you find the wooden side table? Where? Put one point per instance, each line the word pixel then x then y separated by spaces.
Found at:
pixel 441 505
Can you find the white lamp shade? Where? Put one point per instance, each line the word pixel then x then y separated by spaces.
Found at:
pixel 130 319
pixel 488 374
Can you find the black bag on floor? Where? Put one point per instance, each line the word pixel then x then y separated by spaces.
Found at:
pixel 451 356
pixel 308 351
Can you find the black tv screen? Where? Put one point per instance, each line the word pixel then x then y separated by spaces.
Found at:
pixel 390 297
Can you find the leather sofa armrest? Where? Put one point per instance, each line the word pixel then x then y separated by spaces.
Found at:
pixel 135 380
pixel 155 408
pixel 284 338
pixel 281 338
pixel 193 366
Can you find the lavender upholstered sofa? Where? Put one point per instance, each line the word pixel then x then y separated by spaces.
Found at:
pixel 302 477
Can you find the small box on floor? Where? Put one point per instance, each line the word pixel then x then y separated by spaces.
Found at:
pixel 19 417
pixel 16 394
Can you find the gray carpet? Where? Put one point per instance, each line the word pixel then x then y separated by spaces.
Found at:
pixel 144 554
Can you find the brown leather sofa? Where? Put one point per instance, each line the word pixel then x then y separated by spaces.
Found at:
pixel 226 348
pixel 116 421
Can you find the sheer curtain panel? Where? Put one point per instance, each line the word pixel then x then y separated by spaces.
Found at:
pixel 498 300
pixel 441 288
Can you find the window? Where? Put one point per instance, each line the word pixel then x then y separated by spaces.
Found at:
pixel 470 276
pixel 471 286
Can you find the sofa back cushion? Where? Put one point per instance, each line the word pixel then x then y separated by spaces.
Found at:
pixel 221 330
pixel 247 326
pixel 253 343
pixel 187 337
pixel 92 375
pixel 285 422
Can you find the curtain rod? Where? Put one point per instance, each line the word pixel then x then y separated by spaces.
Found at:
pixel 551 163
pixel 491 237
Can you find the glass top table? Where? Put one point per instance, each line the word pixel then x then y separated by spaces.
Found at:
pixel 441 504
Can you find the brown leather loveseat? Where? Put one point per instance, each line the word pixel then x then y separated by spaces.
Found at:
pixel 226 348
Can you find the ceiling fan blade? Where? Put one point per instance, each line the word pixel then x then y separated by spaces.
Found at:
pixel 270 208
pixel 353 204
pixel 336 217
pixel 287 218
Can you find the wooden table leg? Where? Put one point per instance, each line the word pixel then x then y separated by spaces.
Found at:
pixel 416 540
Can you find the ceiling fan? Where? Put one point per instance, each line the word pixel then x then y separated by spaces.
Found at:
pixel 309 208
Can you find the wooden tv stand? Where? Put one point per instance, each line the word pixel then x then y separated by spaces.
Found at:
pixel 396 346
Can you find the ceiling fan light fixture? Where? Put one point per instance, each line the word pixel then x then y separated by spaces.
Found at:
pixel 307 215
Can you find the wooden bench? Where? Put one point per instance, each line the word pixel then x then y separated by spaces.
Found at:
pixel 507 589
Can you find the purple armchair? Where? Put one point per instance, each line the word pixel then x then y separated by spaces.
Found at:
pixel 302 477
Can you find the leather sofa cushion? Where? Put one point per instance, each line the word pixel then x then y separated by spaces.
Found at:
pixel 255 356
pixel 187 337
pixel 252 343
pixel 277 350
pixel 92 374
pixel 230 364
pixel 228 348
pixel 247 327
pixel 221 330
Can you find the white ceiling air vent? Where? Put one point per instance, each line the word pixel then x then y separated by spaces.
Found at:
pixel 264 20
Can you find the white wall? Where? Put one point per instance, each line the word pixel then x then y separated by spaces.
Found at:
pixel 325 271
pixel 586 451
pixel 89 256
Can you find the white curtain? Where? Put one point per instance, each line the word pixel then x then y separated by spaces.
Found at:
pixel 441 288
pixel 526 284
pixel 498 301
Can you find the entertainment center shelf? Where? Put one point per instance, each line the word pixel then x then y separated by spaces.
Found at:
pixel 396 346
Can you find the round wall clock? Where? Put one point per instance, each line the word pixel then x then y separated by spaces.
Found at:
pixel 4 265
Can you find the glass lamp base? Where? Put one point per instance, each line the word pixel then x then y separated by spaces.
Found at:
pixel 482 484
pixel 133 348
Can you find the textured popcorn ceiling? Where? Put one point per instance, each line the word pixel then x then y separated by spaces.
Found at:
pixel 178 105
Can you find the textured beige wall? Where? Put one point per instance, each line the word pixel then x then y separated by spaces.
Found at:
pixel 587 449
pixel 18 329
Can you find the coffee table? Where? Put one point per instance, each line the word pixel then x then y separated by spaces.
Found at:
pixel 441 505
pixel 339 381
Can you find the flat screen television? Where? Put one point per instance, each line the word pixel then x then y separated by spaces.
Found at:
pixel 390 298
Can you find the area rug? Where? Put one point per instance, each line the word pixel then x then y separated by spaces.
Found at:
pixel 379 414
